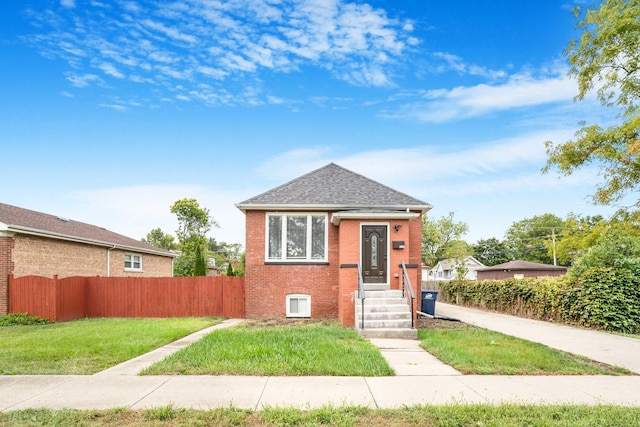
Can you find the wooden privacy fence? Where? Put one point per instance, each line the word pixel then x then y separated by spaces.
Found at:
pixel 78 297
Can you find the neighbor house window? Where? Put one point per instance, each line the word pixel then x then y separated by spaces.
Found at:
pixel 296 237
pixel 298 305
pixel 132 262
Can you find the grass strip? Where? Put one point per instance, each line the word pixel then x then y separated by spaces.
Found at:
pixel 249 349
pixel 87 346
pixel 478 351
pixel 426 416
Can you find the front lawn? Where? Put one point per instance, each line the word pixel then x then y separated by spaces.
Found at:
pixel 84 347
pixel 473 350
pixel 290 348
pixel 427 416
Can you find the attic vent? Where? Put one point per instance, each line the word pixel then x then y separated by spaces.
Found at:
pixel 64 219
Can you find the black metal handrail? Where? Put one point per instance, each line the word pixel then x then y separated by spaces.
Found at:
pixel 361 294
pixel 406 283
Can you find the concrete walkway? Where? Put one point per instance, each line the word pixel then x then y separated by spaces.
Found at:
pixel 420 379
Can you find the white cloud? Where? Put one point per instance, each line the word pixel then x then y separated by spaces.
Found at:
pixel 83 80
pixel 231 41
pixel 519 90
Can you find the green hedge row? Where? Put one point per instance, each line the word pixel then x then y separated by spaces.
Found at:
pixel 601 298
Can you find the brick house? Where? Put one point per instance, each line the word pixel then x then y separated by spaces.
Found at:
pixel 305 239
pixel 35 243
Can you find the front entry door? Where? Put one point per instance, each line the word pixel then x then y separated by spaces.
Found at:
pixel 374 253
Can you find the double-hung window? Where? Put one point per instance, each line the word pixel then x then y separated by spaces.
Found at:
pixel 296 237
pixel 132 262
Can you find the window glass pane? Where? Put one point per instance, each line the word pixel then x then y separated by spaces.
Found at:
pixel 302 306
pixel 317 237
pixel 137 261
pixel 293 306
pixel 297 236
pixel 127 261
pixel 275 237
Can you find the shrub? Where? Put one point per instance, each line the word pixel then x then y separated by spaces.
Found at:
pixel 14 319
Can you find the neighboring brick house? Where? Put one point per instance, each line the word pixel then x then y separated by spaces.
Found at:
pixel 304 237
pixel 35 243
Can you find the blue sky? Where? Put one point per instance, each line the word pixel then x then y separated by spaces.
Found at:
pixel 113 110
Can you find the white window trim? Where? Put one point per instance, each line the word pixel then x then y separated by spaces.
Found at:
pixel 298 296
pixel 283 258
pixel 131 254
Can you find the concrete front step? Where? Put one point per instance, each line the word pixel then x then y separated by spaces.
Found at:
pixel 387 315
pixel 403 333
pixel 383 294
pixel 382 301
pixel 386 323
pixel 386 308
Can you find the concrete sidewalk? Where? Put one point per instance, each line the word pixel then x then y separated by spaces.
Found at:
pixel 420 379
pixel 603 347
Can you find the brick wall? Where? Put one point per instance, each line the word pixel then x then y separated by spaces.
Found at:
pixel 40 256
pixel 267 285
pixel 6 267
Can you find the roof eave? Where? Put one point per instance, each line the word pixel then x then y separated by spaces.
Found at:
pixel 49 234
pixel 327 207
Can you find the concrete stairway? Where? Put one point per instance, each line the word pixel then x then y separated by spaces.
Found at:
pixel 386 315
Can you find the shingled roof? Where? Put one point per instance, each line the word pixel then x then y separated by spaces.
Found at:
pixel 521 265
pixel 333 187
pixel 25 221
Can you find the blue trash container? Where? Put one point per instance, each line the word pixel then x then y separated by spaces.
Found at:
pixel 429 302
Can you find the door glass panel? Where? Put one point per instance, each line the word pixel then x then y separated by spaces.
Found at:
pixel 374 251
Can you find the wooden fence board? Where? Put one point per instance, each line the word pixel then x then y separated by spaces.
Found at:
pixel 76 297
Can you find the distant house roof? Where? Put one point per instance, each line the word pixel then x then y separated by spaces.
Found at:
pixel 333 187
pixel 25 221
pixel 522 265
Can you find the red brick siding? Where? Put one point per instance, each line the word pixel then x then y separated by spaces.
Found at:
pixel 6 268
pixel 48 257
pixel 267 285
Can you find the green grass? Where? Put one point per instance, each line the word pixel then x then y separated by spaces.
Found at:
pixel 478 351
pixel 426 416
pixel 251 349
pixel 87 346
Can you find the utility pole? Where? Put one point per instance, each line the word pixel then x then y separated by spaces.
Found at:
pixel 553 241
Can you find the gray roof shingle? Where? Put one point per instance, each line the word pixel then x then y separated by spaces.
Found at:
pixel 15 219
pixel 333 186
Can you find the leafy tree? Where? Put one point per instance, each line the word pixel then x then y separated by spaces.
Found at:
pixel 577 235
pixel 200 268
pixel 606 59
pixel 439 238
pixel 159 239
pixel 223 251
pixel 531 238
pixel 492 251
pixel 194 223
pixel 615 247
pixel 230 269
